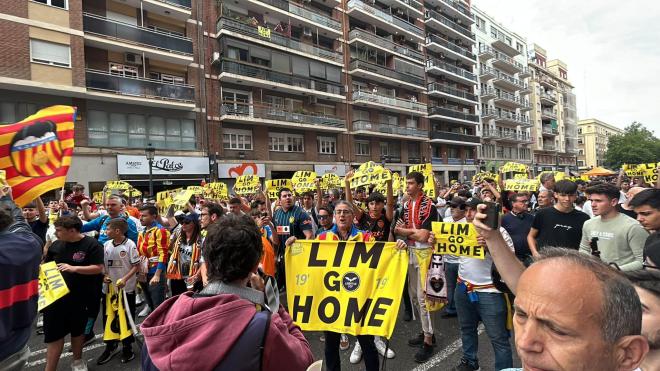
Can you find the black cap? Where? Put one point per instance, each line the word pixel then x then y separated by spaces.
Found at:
pixel 472 202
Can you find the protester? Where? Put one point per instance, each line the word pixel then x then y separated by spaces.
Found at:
pixel 211 212
pixel 78 195
pixel 618 238
pixel 326 220
pixel 307 204
pixel 225 325
pixel 153 246
pixel 235 206
pixel 647 206
pixel 647 285
pixel 267 263
pixel 518 223
pixel 547 182
pixel 183 266
pixel 35 215
pixel 458 209
pixel 545 199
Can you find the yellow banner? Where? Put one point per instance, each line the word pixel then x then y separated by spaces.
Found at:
pixel 117 184
pixel 273 187
pixel 116 324
pixel 483 175
pixel 648 171
pixel 519 176
pixel 422 168
pixel 51 285
pixel 330 180
pixel 347 287
pixel 303 181
pixel 216 190
pixel 458 239
pixel 182 198
pixel 371 175
pixel 263 31
pixel 514 167
pixel 521 185
pixel 97 197
pixel 247 185
pixel 198 190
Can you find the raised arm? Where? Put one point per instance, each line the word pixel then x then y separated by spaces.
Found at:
pixel 349 195
pixel 42 210
pixel 389 207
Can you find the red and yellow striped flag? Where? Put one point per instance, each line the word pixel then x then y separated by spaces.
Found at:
pixel 36 152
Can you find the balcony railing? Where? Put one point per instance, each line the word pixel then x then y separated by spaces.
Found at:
pixel 455 136
pixel 511 80
pixel 386 72
pixel 389 129
pixel 549 130
pixel 394 47
pixel 140 35
pixel 434 86
pixel 389 101
pixel 246 29
pixel 510 97
pixel 277 77
pixel 430 14
pixel 486 49
pixel 317 18
pixel 547 80
pixel 520 119
pixel 441 111
pixel 138 87
pixel 449 68
pixel 549 113
pixel 452 161
pixel 549 96
pixel 547 147
pixel 451 46
pixel 487 91
pixel 506 59
pixel 483 70
pixel 500 37
pixel 387 17
pixel 179 3
pixel 458 6
pixel 506 135
pixel 488 112
pixel 278 114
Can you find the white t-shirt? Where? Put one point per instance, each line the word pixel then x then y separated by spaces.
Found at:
pixel 478 271
pixel 451 258
pixel 622 197
pixel 118 260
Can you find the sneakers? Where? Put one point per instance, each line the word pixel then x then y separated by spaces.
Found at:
pixel 343 343
pixel 145 311
pixel 424 353
pixel 419 340
pixel 380 346
pixel 356 354
pixel 78 365
pixel 109 352
pixel 127 354
pixel 465 365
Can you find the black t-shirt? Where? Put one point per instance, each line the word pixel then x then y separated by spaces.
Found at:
pixel 379 228
pixel 39 228
pixel 87 251
pixel 557 229
pixel 518 227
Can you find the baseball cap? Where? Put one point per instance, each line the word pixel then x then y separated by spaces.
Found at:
pixel 472 202
pixel 191 217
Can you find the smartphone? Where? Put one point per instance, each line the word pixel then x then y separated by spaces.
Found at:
pixel 492 215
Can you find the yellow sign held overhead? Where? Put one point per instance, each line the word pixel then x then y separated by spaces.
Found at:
pixel 458 239
pixel 198 190
pixel 521 185
pixel 303 181
pixel 273 187
pixel 247 185
pixel 372 175
pixel 52 286
pixel 263 31
pixel 648 171
pixel 330 180
pixel 182 198
pixel 514 167
pixel 117 184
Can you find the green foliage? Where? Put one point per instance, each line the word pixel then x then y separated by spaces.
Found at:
pixel 637 145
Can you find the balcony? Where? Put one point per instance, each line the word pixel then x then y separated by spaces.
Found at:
pixel 450 115
pixel 548 82
pixel 504 44
pixel 506 63
pixel 273 116
pixel 508 82
pixel 486 53
pixel 105 82
pixel 509 100
pixel 376 72
pixel 457 9
pixel 111 29
pixel 507 136
pixel 312 18
pixel 486 73
pixel 180 3
pixel 384 44
pixel 389 103
pixel 252 75
pixel 487 92
pixel 549 130
pixel 446 91
pixel 510 118
pixel 236 26
pixel 549 147
pixel 451 161
pixel 451 72
pixel 488 113
pixel 384 20
pixel 548 114
pixel 445 25
pixel 524 73
pixel 439 45
pixel 549 99
pixel 455 138
pixel 366 127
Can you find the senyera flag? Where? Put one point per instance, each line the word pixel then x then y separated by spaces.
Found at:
pixel 36 152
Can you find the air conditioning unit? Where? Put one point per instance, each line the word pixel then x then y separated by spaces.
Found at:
pixel 313 100
pixel 307 31
pixel 215 58
pixel 133 58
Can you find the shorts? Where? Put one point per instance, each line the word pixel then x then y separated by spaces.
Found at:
pixel 65 316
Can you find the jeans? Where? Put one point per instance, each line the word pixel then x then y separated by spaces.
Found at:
pixel 451 275
pixel 369 352
pixel 154 295
pixel 491 310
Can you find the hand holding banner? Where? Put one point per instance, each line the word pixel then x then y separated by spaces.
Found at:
pixel 514 167
pixel 458 239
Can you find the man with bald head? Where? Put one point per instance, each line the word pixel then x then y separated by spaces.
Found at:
pixel 599 328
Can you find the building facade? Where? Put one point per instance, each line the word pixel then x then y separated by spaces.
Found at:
pixel 593 136
pixel 503 93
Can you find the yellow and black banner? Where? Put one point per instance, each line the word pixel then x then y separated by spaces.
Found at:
pixel 303 181
pixel 330 180
pixel 648 171
pixel 458 239
pixel 514 167
pixel 370 174
pixel 347 287
pixel 247 185
pixel 273 187
pixel 51 285
pixel 521 185
pixel 116 324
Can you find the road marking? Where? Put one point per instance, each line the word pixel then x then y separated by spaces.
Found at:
pixel 65 355
pixel 66 345
pixel 446 352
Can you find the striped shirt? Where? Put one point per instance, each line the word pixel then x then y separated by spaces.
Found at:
pixel 153 244
pixel 291 223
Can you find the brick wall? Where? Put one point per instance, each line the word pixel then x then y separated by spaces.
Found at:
pixel 13 7
pixel 15 46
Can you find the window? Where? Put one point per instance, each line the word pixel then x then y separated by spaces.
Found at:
pixel 125 71
pixel 11 112
pixel 56 3
pixel 282 142
pixel 362 148
pixel 237 139
pixel 327 145
pixel 237 53
pixel 167 79
pixel 50 53
pixel 519 47
pixel 481 24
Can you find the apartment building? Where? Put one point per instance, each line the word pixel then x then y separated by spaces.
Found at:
pixel 593 136
pixel 503 93
pixel 553 114
pixel 131 69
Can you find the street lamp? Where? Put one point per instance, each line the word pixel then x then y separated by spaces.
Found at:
pixel 150 152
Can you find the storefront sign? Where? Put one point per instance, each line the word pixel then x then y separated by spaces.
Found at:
pixel 334 169
pixel 226 171
pixel 162 165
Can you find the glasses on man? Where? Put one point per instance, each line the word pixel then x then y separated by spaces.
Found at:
pixel 343 212
pixel 324 216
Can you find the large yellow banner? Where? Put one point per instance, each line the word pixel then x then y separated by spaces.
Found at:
pixel 51 285
pixel 458 239
pixel 247 185
pixel 273 187
pixel 345 286
pixel 514 167
pixel 303 181
pixel 521 185
pixel 370 175
pixel 648 171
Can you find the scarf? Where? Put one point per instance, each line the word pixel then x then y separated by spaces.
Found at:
pixel 174 266
pixel 414 214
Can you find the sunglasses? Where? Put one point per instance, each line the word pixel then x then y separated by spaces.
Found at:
pixel 323 216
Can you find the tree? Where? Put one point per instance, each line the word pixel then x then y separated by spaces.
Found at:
pixel 637 145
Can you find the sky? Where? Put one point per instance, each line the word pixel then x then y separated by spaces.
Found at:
pixel 611 48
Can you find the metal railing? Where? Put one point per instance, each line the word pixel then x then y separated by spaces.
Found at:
pixel 549 148
pixel 389 129
pixel 511 80
pixel 506 135
pixel 180 3
pixel 245 29
pixel 430 38
pixel 520 119
pixel 93 23
pixel 446 135
pixel 138 87
pixel 549 113
pixel 389 101
pixel 384 71
pixel 278 114
pixel 442 111
pixel 488 112
pixel 452 161
pixel 458 6
pixel 483 69
pixel 430 14
pixel 305 13
pixel 449 68
pixel 278 77
pixel 387 17
pixel 486 49
pixel 434 86
pixel 549 96
pixel 547 80
pixel 509 97
pixel 500 37
pixel 549 130
pixel 506 59
pixel 394 47
pixel 487 91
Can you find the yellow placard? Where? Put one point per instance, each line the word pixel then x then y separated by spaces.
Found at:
pixel 216 190
pixel 519 176
pixel 51 285
pixel 330 180
pixel 421 168
pixel 97 197
pixel 303 181
pixel 273 187
pixel 483 175
pixel 116 324
pixel 370 175
pixel 182 198
pixel 117 184
pixel 367 165
pixel 514 167
pixel 429 179
pixel 521 185
pixel 263 31
pixel 198 190
pixel 457 239
pixel 346 287
pixel 164 201
pixel 648 171
pixel 247 185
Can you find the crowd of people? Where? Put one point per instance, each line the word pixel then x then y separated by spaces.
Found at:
pixel 573 271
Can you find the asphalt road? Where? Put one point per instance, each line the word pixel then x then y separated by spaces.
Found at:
pixel 447 351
